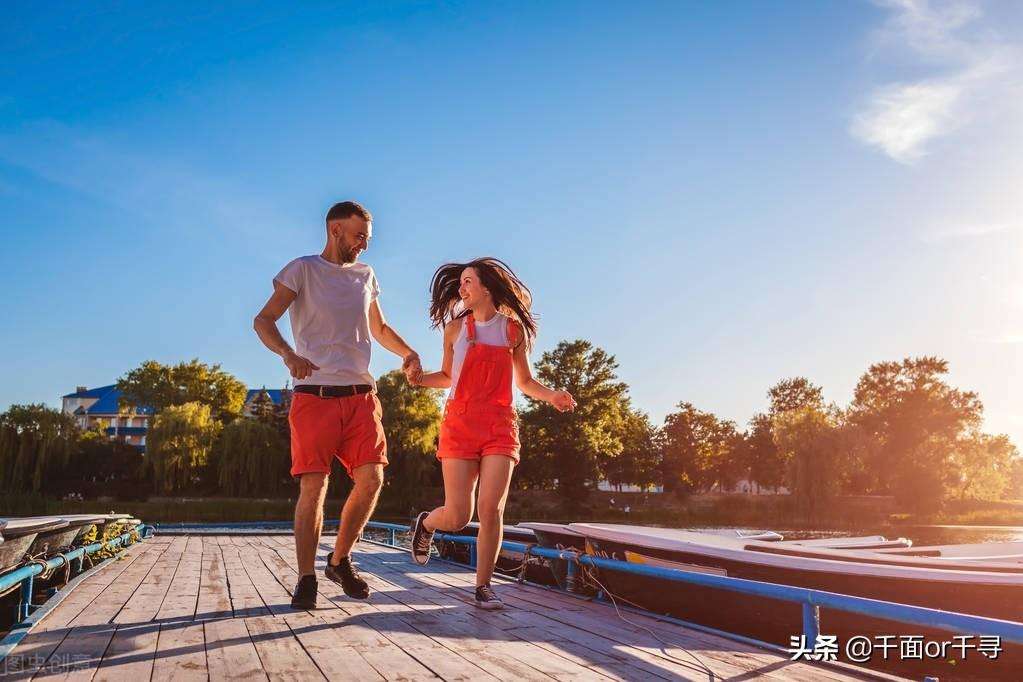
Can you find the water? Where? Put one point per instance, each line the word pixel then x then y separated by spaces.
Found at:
pixel 921 535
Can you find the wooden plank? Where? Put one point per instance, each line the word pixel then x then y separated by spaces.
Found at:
pixel 335 658
pixel 403 660
pixel 130 654
pixel 245 599
pixel 180 653
pixel 230 653
pixel 148 597
pixel 213 600
pixel 183 594
pixel 282 655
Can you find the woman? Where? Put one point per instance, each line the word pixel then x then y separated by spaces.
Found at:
pixel 488 329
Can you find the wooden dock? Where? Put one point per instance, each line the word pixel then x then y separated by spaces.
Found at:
pixel 218 607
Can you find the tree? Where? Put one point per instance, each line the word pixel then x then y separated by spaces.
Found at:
pixel 984 467
pixel 251 459
pixel 697 450
pixel 806 437
pixel 179 444
pixel 36 444
pixel 793 394
pixel 918 421
pixel 568 446
pixel 767 464
pixel 639 462
pixel 158 386
pixel 411 422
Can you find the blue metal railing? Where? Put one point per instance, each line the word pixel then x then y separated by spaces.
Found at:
pixel 26 574
pixel 811 600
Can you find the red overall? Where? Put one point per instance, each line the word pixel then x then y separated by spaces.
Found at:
pixel 479 419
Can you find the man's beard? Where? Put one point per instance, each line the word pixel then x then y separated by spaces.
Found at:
pixel 348 256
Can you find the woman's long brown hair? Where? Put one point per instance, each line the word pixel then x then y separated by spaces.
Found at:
pixel 510 295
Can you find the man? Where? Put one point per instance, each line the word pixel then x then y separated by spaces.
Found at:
pixel 334 411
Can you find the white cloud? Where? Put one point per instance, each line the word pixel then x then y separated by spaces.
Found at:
pixel 901 118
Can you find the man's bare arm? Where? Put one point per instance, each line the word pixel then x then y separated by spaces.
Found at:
pixel 392 341
pixel 265 325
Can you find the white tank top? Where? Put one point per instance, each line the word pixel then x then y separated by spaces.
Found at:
pixel 493 332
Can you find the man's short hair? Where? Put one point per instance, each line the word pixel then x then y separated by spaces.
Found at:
pixel 347 209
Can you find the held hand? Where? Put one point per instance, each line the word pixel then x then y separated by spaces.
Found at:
pixel 413 368
pixel 563 401
pixel 299 367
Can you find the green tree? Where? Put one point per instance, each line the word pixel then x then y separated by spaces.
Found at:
pixel 251 459
pixel 697 450
pixel 918 421
pixel 411 420
pixel 568 446
pixel 793 394
pixel 36 444
pixel 767 464
pixel 983 465
pixel 639 462
pixel 158 386
pixel 807 438
pixel 178 446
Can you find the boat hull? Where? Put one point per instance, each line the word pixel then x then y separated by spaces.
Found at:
pixel 777 621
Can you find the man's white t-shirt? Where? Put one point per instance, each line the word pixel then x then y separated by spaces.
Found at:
pixel 330 318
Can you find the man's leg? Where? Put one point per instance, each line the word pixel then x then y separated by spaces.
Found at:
pixel 359 506
pixel 309 520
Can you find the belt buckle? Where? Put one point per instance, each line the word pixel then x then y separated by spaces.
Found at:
pixel 321 391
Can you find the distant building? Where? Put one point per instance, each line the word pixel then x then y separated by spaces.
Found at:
pixel 101 406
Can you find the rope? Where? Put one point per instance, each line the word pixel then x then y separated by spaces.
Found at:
pixel 525 561
pixel 588 573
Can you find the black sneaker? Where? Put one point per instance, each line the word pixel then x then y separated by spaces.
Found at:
pixel 422 540
pixel 345 575
pixel 305 593
pixel 486 598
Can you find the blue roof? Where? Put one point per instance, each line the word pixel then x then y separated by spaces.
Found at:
pixel 109 403
pixel 91 392
pixel 275 394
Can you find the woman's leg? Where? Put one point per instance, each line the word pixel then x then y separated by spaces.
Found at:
pixel 459 485
pixel 495 477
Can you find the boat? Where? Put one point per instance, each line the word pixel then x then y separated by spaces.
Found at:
pixel 85 522
pixel 54 538
pixel 986 589
pixel 863 542
pixel 19 536
pixel 978 551
pixel 111 520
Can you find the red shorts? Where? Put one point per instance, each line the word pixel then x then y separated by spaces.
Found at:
pixel 347 428
pixel 471 433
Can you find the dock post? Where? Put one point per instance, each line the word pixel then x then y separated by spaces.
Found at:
pixel 25 606
pixel 571 574
pixel 472 555
pixel 394 542
pixel 811 623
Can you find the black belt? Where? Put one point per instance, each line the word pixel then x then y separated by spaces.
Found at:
pixel 334 391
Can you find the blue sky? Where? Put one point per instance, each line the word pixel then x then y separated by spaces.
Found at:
pixel 721 194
